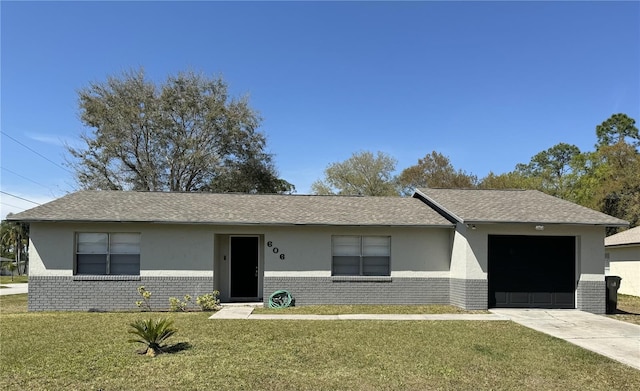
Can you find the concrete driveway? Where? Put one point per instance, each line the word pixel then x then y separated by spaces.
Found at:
pixel 13 289
pixel 608 337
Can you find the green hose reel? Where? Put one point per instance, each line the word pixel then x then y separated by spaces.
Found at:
pixel 280 299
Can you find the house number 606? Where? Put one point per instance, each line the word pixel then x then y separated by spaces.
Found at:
pixel 275 249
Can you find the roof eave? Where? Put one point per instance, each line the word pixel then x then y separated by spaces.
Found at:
pixel 603 224
pixel 237 223
pixel 618 245
pixel 444 212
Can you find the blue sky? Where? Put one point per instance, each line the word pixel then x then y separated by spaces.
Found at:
pixel 489 84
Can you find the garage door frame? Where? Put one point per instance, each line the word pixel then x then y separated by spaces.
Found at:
pixel 532 271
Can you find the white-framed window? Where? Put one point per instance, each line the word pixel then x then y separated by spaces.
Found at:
pixel 361 255
pixel 107 253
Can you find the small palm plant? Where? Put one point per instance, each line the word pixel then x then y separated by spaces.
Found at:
pixel 152 333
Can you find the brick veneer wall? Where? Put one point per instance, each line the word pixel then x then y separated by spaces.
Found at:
pixel 365 290
pixel 109 293
pixel 113 293
pixel 469 294
pixel 592 296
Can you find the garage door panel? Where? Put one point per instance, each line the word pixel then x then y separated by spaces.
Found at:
pixel 518 298
pixel 542 298
pixel 500 299
pixel 531 271
pixel 565 300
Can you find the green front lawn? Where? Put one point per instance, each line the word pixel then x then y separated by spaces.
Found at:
pixel 13 304
pixel 89 351
pixel 628 309
pixel 16 279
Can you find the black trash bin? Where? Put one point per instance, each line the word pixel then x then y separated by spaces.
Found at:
pixel 613 283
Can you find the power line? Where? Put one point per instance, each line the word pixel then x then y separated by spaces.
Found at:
pixel 24 177
pixel 36 152
pixel 12 206
pixel 18 197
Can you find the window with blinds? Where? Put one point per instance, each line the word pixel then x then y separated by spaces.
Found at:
pixel 361 256
pixel 108 253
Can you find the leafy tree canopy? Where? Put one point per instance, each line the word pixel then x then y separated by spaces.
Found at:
pixel 615 181
pixel 509 180
pixel 364 173
pixel 185 134
pixel 14 243
pixel 606 179
pixel 617 129
pixel 434 170
pixel 552 167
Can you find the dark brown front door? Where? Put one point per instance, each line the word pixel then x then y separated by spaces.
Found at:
pixel 244 267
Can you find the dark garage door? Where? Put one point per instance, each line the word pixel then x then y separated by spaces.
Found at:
pixel 531 271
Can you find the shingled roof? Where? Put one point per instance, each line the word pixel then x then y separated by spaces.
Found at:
pixel 512 206
pixel 236 209
pixel 630 236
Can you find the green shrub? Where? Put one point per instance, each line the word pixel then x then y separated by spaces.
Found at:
pixel 176 305
pixel 145 303
pixel 152 333
pixel 209 301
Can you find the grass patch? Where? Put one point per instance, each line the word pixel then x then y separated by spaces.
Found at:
pixel 16 280
pixel 13 304
pixel 293 355
pixel 628 309
pixel 366 309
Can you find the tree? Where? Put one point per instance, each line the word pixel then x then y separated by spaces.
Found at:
pixel 618 179
pixel 608 181
pixel 552 168
pixel 186 134
pixel 509 180
pixel 9 266
pixel 434 170
pixel 616 129
pixel 587 170
pixel 605 179
pixel 15 243
pixel 362 174
pixel 616 168
pixel 253 175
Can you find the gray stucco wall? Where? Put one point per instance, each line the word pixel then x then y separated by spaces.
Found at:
pixel 308 249
pixel 164 249
pixel 183 259
pixel 428 265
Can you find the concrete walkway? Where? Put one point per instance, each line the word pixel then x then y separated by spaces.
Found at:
pixel 14 289
pixel 245 312
pixel 609 337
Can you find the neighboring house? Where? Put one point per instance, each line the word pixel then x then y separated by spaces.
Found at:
pixel 475 249
pixel 622 252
